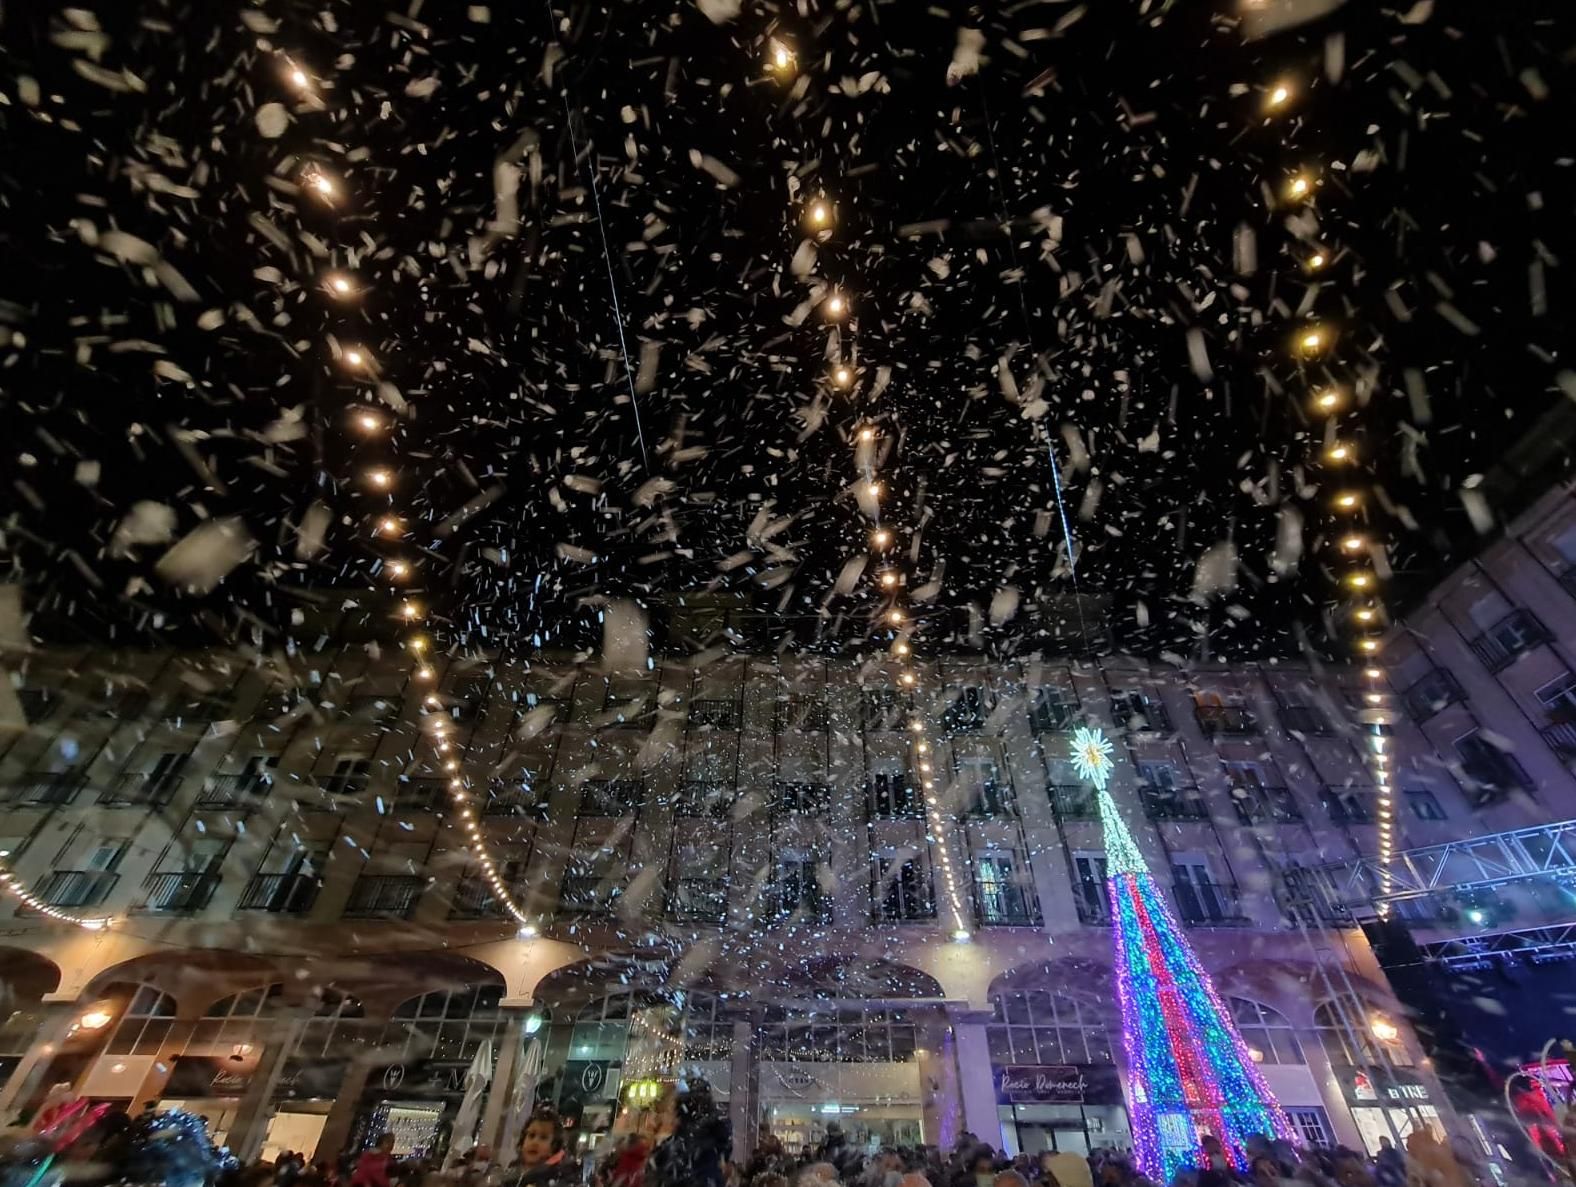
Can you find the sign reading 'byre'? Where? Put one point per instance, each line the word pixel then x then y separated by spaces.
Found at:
pixel 1057 1084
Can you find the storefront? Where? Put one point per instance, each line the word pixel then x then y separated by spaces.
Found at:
pixel 873 1104
pixel 1389 1103
pixel 302 1096
pixel 1067 1108
pixel 210 1086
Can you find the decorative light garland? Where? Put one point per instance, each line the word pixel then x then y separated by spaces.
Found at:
pixel 1312 343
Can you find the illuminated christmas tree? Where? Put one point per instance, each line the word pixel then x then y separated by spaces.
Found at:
pixel 1188 1070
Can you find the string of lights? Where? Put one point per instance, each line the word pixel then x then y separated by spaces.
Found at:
pixel 391 533
pixel 819 219
pixel 1358 558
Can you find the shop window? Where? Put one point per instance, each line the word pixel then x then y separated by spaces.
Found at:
pixel 823 1033
pixel 145 1024
pixel 1267 1034
pixel 447 1025
pixel 338 1024
pixel 1312 1125
pixel 1043 1026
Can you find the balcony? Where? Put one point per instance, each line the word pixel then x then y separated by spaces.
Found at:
pixel 51 789
pixel 353 783
pixel 997 904
pixel 698 900
pixel 1517 632
pixel 1345 807
pixel 1305 719
pixel 807 713
pixel 1428 695
pixel 245 791
pixel 1139 713
pixel 1225 721
pixel 709 799
pixel 588 894
pixel 474 899
pixel 991 799
pixel 416 795
pixel 1074 801
pixel 280 894
pixel 508 798
pixel 1265 805
pixel 1561 737
pixel 384 896
pixel 77 888
pixel 1173 803
pixel 722 715
pixel 795 901
pixel 893 797
pixel 144 790
pixel 1208 904
pixel 801 799
pixel 199 713
pixel 179 893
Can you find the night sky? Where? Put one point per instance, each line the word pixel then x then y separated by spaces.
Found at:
pixel 1061 228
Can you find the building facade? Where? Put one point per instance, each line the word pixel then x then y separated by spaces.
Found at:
pixel 729 873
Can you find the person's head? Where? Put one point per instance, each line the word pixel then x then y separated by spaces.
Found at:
pixel 385 1143
pixel 1266 1170
pixel 1212 1143
pixel 541 1139
pixel 913 1179
pixel 982 1160
pixel 816 1174
pixel 1009 1179
pixel 1385 1143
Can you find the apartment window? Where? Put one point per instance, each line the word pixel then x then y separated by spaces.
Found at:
pixel 1304 719
pixel 1424 804
pixel 795 888
pixel 541 710
pixel 1559 698
pixel 1160 775
pixel 1345 1029
pixel 37 703
pixel 240 1018
pixel 799 711
pixel 705 798
pixel 349 777
pixel 1140 712
pixel 1217 715
pixel 611 797
pixel 1052 708
pixel 882 709
pixel 1089 886
pixel 892 796
pixel 1002 891
pixel 698 878
pixel 145 1025
pixel 801 799
pixel 447 1025
pixel 1491 773
pixel 967 713
pixel 156 785
pixel 197 710
pixel 1267 1034
pixel 903 886
pixel 590 885
pixel 988 792
pixel 1045 1026
pixel 1201 899
pixel 1517 632
pixel 1074 801
pixel 625 700
pixel 1427 696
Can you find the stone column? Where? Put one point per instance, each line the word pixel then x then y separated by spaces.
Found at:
pixel 743 1091
pixel 940 1094
pixel 1343 1128
pixel 974 1078
pixel 336 1126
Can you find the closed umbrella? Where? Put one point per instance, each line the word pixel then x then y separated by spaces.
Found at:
pixel 465 1121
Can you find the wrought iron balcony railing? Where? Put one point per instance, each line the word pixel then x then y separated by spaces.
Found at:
pixel 77 888
pixel 1173 803
pixel 280 894
pixel 384 896
pixel 179 893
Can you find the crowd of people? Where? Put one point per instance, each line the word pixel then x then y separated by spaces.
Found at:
pixel 690 1145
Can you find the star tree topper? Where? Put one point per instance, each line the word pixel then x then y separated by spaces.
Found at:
pixel 1092 756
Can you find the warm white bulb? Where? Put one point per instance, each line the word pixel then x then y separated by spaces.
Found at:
pixel 355 358
pixel 389 526
pixel 1299 187
pixel 369 422
pixel 299 78
pixel 1316 260
pixel 834 306
pixel 1278 96
pixel 1312 340
pixel 380 478
pixel 842 375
